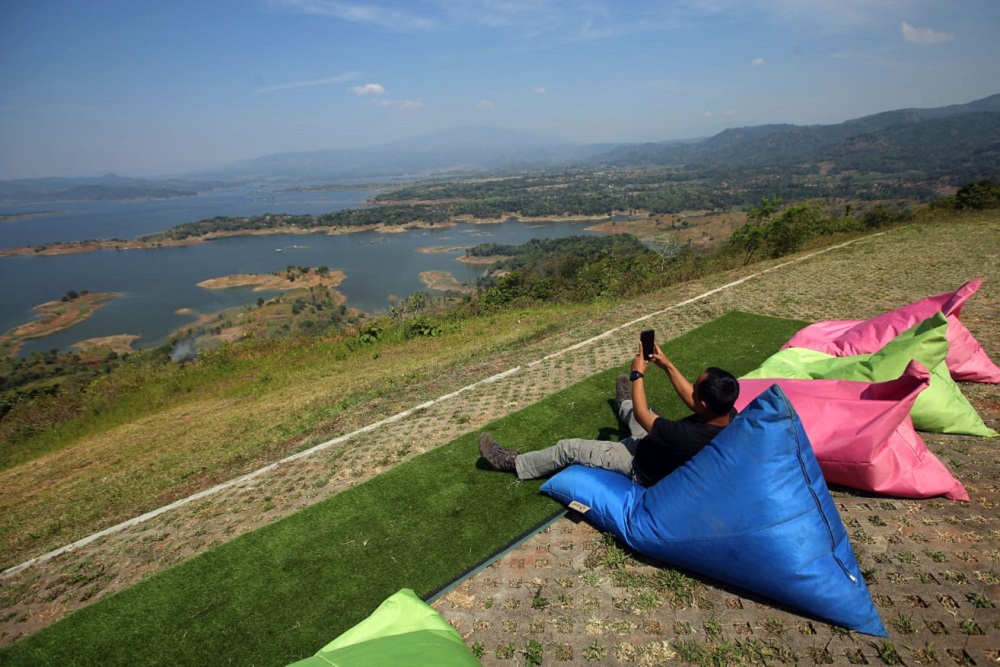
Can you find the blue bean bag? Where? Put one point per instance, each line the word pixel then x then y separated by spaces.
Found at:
pixel 751 509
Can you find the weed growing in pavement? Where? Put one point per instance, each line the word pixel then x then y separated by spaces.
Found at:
pixel 505 652
pixel 904 624
pixel 888 653
pixel 820 655
pixel 713 629
pixel 678 588
pixel 979 600
pixel 927 655
pixel 689 650
pixel 533 653
pixel 538 601
pixel 564 653
pixel 970 627
pixel 774 627
pixel 595 652
pixel 855 656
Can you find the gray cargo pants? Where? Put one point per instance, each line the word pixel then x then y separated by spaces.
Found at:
pixel 616 456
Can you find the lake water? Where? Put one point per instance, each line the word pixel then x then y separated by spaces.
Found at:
pixel 155 283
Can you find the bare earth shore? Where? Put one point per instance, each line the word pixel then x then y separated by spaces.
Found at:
pixel 76 247
pixel 54 316
pixel 933 566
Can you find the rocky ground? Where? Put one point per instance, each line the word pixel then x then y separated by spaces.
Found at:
pixel 569 595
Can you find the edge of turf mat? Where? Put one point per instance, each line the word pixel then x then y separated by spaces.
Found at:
pixel 279 593
pixel 492 558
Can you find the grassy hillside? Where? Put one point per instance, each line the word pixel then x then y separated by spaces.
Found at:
pixel 181 429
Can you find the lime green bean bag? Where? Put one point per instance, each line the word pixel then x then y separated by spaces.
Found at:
pixel 403 632
pixel 941 408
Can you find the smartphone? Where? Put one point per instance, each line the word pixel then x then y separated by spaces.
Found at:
pixel 647 337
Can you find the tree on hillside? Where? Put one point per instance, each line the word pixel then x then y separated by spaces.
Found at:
pixel 982 195
pixel 749 238
pixel 786 233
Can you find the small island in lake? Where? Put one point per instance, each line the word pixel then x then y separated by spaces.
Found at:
pixel 444 281
pixel 54 316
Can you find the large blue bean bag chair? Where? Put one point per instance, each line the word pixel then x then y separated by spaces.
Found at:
pixel 751 509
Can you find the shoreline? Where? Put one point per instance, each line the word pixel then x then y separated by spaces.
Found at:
pixel 49 324
pixel 55 316
pixel 78 247
pixel 17 217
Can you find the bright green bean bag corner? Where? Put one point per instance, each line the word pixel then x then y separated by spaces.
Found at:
pixel 941 408
pixel 403 632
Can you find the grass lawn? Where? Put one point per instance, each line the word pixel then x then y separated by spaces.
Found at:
pixel 278 594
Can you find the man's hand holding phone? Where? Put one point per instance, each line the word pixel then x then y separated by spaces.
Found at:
pixel 648 340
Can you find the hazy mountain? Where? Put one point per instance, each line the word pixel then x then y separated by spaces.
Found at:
pixel 962 139
pixel 952 137
pixel 460 149
pixel 108 187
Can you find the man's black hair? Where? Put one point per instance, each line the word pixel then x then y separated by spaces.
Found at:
pixel 719 390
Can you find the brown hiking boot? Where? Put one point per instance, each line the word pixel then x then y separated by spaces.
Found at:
pixel 499 457
pixel 623 391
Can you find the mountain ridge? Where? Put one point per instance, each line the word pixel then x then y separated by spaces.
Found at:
pixel 960 141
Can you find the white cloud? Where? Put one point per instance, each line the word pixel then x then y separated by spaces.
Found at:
pixel 757 62
pixel 369 89
pixel 485 104
pixel 925 35
pixel 361 13
pixel 540 90
pixel 339 78
pixel 399 104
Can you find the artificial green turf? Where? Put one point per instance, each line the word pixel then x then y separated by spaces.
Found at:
pixel 278 594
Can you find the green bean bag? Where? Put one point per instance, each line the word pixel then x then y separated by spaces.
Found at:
pixel 403 632
pixel 941 408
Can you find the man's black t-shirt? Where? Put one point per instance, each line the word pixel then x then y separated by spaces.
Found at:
pixel 669 445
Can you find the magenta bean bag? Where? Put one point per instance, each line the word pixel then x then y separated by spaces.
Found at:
pixel 966 360
pixel 862 434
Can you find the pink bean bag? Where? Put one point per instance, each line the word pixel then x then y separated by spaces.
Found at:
pixel 966 360
pixel 862 434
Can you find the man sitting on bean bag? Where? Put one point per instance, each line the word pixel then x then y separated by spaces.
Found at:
pixel 657 445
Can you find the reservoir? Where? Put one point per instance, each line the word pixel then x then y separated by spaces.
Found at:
pixel 156 283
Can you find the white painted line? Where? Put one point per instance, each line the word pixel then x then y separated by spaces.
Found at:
pixel 401 415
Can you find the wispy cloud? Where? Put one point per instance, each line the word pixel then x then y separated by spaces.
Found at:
pixel 339 78
pixel 925 35
pixel 539 90
pixel 364 13
pixel 823 16
pixel 369 89
pixel 485 104
pixel 757 62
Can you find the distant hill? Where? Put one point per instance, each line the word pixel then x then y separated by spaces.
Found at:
pixel 102 188
pixel 959 140
pixel 461 149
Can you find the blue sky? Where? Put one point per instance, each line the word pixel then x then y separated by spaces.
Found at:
pixel 151 87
